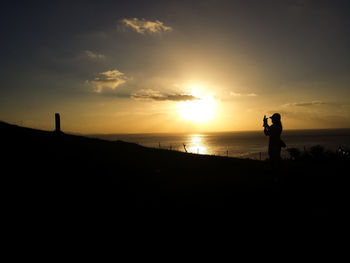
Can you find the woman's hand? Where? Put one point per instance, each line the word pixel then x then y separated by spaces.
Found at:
pixel 265 121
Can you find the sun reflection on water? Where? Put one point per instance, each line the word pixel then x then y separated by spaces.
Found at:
pixel 197 145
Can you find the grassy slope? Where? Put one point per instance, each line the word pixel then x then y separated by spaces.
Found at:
pixel 76 169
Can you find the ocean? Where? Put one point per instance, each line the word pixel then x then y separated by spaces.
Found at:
pixel 250 144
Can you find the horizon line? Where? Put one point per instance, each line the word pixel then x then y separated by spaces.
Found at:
pixel 203 132
pixel 198 132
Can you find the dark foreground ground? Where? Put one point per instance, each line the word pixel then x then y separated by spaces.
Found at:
pixel 44 169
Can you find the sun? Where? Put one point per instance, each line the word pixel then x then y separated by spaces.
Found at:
pixel 201 110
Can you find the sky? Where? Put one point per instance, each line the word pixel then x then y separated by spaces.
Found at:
pixel 175 66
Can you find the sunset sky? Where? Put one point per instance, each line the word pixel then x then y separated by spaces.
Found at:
pixel 175 66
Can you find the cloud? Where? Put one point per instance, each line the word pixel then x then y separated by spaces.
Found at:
pixel 109 79
pixel 234 94
pixel 157 96
pixel 143 26
pixel 93 55
pixel 304 104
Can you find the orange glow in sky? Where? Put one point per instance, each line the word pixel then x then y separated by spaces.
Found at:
pixel 175 66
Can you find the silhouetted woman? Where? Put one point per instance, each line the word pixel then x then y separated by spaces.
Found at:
pixel 275 142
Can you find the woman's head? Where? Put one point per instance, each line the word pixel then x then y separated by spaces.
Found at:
pixel 276 118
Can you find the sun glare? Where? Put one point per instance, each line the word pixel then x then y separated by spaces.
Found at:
pixel 201 110
pixel 196 144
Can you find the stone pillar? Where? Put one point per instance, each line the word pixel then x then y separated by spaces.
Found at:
pixel 58 122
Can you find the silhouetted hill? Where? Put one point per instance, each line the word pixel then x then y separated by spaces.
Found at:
pixel 49 168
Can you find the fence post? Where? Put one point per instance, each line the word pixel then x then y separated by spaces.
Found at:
pixel 185 147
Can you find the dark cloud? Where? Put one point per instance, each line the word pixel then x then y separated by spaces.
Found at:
pixel 150 95
pixel 165 97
